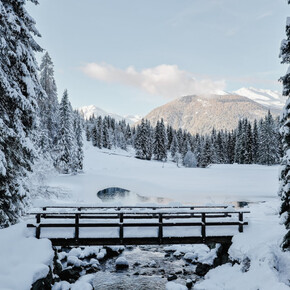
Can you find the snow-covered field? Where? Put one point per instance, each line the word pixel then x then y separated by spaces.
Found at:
pixel 216 184
pixel 269 267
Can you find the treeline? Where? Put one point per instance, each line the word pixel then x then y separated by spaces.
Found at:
pixel 250 143
pixel 34 127
pixel 61 129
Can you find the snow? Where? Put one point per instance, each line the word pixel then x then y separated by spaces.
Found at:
pixel 269 267
pixel 175 286
pixel 29 259
pixel 220 184
pixel 23 260
pixel 201 252
pixel 121 261
pixel 268 98
pixel 91 110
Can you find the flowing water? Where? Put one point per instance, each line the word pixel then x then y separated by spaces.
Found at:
pixel 149 268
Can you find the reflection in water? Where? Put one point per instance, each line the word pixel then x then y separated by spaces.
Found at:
pixel 114 194
pixel 127 197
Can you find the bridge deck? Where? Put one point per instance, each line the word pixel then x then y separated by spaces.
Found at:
pixel 136 225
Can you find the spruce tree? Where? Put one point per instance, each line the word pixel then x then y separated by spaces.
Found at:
pixel 143 140
pixel 79 153
pixel 66 138
pixel 268 143
pixel 99 132
pixel 160 142
pixel 285 132
pixel 19 91
pixel 255 143
pixel 48 105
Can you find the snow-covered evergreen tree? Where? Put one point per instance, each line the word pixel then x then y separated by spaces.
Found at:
pixel 19 91
pixel 268 143
pixel 48 104
pixel 143 140
pixel 106 140
pixel 79 153
pixel 285 132
pixel 160 142
pixel 66 138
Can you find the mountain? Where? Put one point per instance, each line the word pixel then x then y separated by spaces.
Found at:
pixel 267 98
pixel 88 111
pixel 199 114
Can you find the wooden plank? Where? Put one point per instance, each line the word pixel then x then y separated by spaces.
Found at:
pixel 139 241
pixel 135 207
pixel 83 216
pixel 147 213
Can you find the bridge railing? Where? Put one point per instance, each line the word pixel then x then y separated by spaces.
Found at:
pixel 159 218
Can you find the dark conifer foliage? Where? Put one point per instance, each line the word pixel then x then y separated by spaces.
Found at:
pixel 48 103
pixel 259 143
pixel 285 132
pixel 19 91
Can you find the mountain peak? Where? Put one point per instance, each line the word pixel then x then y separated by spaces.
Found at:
pixel 91 110
pixel 267 98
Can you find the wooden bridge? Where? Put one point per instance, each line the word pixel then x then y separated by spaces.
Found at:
pixel 74 226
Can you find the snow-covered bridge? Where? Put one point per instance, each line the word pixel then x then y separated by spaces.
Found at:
pixel 71 226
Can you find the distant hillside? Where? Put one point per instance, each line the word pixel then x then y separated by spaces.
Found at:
pixel 88 111
pixel 198 114
pixel 267 98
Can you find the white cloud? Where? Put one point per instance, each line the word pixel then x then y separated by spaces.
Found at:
pixel 163 80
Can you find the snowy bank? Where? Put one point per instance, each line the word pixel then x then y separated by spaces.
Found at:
pixel 23 260
pixel 261 263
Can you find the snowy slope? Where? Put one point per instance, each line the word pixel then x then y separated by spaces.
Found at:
pixel 88 111
pixel 268 98
pixel 218 183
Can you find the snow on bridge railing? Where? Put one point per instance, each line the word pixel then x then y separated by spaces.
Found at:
pixel 94 226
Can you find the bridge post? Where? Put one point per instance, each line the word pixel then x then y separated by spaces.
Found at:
pixel 203 233
pixel 160 231
pixel 37 231
pixel 77 229
pixel 121 227
pixel 38 218
pixel 241 219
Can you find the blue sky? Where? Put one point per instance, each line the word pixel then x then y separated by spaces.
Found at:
pixel 129 56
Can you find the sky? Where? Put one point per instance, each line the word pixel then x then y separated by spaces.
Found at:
pixel 130 56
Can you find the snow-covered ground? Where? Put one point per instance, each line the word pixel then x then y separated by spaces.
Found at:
pixel 216 184
pixel 268 267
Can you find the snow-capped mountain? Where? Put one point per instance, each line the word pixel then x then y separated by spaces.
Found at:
pixel 88 111
pixel 267 98
pixel 199 114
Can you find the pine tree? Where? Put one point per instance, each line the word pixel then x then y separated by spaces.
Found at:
pixel 78 130
pixel 268 143
pixel 48 105
pixel 160 142
pixel 105 133
pixel 248 144
pixel 94 136
pixel 99 132
pixel 255 143
pixel 19 90
pixel 285 132
pixel 65 143
pixel 206 154
pixel 143 141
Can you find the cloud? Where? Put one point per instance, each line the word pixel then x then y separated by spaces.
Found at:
pixel 163 80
